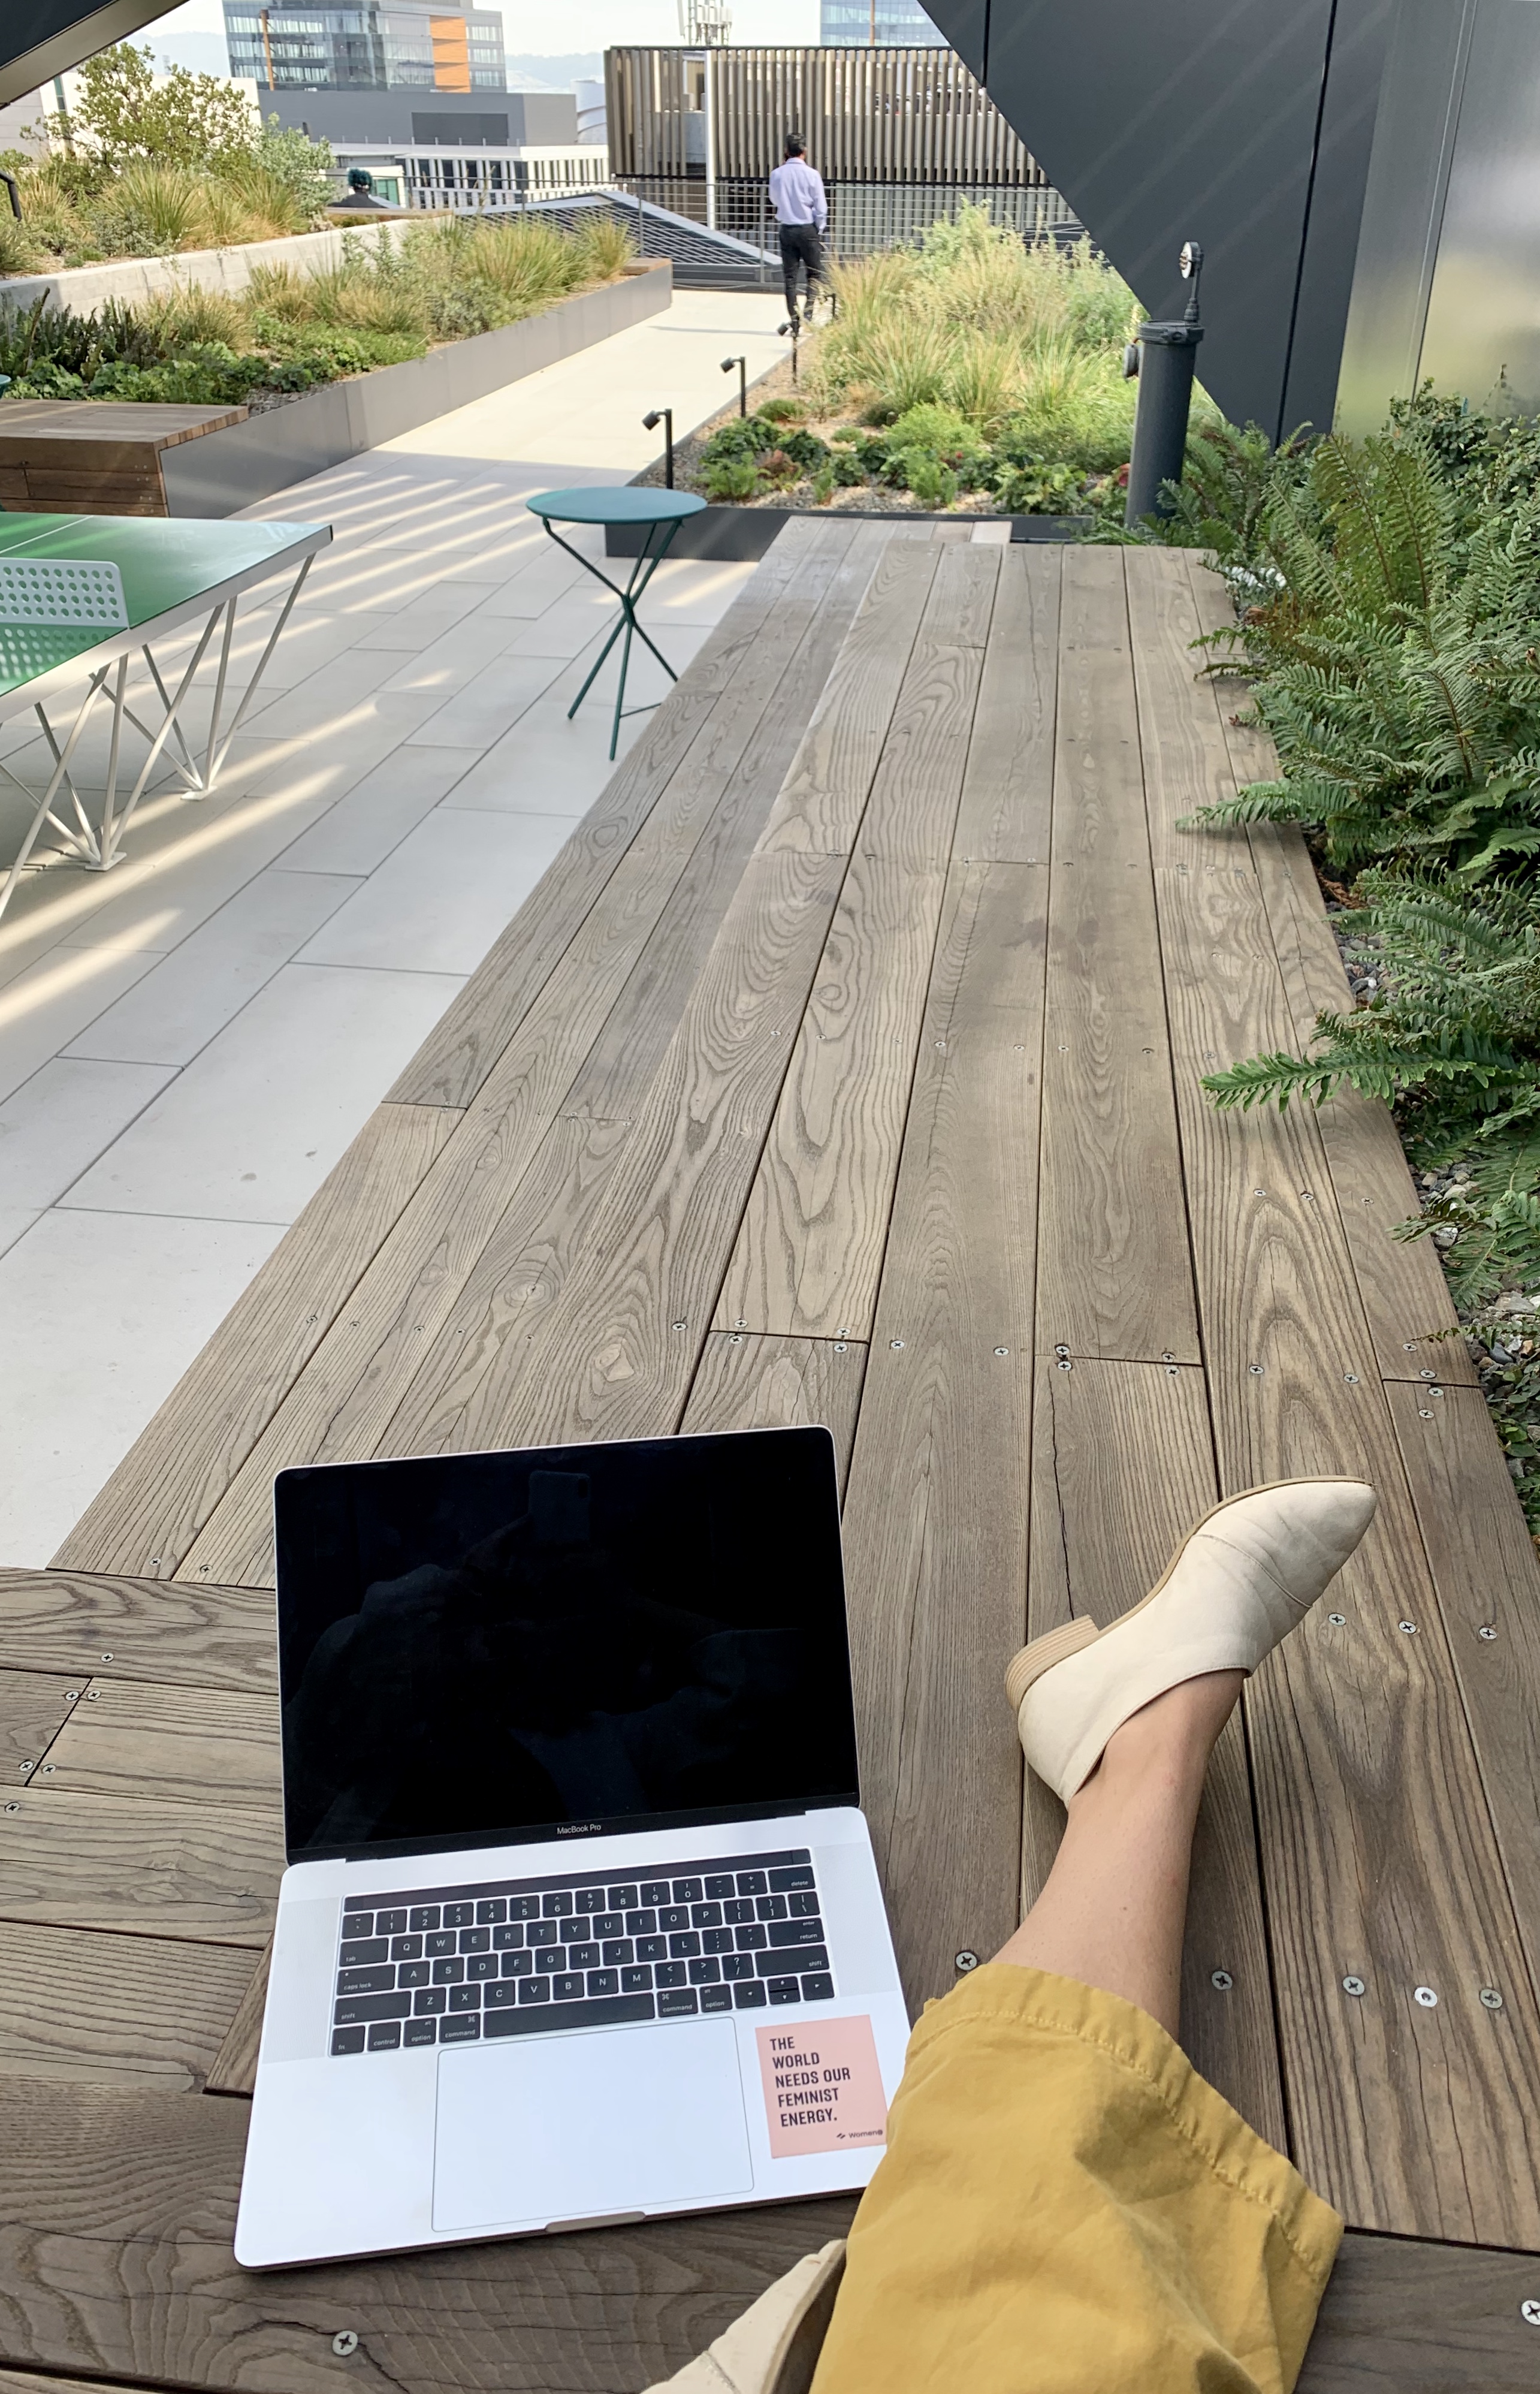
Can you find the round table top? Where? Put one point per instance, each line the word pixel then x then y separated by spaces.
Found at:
pixel 600 503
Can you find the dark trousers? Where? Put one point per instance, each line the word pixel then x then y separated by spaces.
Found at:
pixel 801 247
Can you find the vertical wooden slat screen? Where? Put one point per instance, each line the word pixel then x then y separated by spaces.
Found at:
pixel 867 115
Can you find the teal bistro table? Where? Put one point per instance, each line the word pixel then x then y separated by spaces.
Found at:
pixel 663 512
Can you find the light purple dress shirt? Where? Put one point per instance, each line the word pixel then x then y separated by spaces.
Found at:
pixel 797 194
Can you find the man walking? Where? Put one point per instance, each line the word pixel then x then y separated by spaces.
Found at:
pixel 802 212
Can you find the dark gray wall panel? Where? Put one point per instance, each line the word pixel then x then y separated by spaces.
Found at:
pixel 1159 124
pixel 1482 334
pixel 1360 40
pixel 968 31
pixel 39 38
pixel 1398 242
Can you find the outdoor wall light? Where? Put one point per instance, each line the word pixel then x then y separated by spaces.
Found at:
pixel 664 417
pixel 742 365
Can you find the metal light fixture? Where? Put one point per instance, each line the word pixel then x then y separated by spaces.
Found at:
pixel 793 327
pixel 1165 358
pixel 742 365
pixel 650 422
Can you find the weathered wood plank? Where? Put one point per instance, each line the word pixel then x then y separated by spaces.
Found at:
pixel 630 965
pixel 35 1707
pixel 936 1509
pixel 742 1382
pixel 116 2011
pixel 205 1635
pixel 134 1737
pixel 1404 2318
pixel 459 1052
pixel 107 2198
pixel 612 1352
pixel 825 792
pixel 1114 1271
pixel 810 1247
pixel 1405 1296
pixel 1411 2118
pixel 233 2069
pixel 916 788
pixel 149 1867
pixel 1006 813
pixel 1122 1469
pixel 1487 1578
pixel 180 1465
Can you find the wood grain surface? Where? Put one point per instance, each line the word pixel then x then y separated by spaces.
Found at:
pixel 1113 1271
pixel 742 1382
pixel 1486 1576
pixel 1407 2317
pixel 35 1707
pixel 825 792
pixel 147 1866
pixel 811 1244
pixel 79 1621
pixel 936 1509
pixel 113 2011
pixel 233 2069
pixel 918 786
pixel 139 1737
pixel 1005 817
pixel 1390 1872
pixel 176 1470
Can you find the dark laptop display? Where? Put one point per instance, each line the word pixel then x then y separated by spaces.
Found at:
pixel 475 1649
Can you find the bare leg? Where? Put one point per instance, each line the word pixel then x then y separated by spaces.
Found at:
pixel 1113 1907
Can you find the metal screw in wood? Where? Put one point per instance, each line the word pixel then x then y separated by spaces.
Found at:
pixel 1337 1619
pixel 1352 1986
pixel 1491 1998
pixel 1530 2312
pixel 896 1344
pixel 1426 1997
pixel 1407 1628
pixel 838 1346
pixel 677 1325
pixel 1486 1631
pixel 966 1960
pixel 1352 1379
pixel 1221 1979
pixel 345 2343
pixel 106 1658
pixel 1256 1370
pixel 1003 1351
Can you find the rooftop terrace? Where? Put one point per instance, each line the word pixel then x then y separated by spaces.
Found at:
pixel 845 1066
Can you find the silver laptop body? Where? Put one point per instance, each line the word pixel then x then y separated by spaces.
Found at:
pixel 582 1922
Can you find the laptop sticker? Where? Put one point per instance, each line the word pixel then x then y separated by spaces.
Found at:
pixel 823 2089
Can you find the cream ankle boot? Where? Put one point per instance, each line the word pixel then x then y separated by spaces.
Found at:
pixel 1242 1579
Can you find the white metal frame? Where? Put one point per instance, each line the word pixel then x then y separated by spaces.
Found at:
pixel 95 838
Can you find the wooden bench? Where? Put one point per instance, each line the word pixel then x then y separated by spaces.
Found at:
pixel 94 456
pixel 844 1066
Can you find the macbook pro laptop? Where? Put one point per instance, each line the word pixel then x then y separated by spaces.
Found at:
pixel 582 1922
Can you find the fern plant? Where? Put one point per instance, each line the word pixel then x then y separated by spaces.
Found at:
pixel 1452 1040
pixel 1396 663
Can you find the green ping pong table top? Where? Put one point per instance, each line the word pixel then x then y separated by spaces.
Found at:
pixel 600 503
pixel 166 565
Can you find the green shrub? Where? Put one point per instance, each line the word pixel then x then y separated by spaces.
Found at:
pixel 731 475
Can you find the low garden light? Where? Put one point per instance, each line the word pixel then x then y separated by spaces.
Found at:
pixel 650 422
pixel 793 328
pixel 742 365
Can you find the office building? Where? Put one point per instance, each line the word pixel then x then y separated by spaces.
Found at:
pixel 371 45
pixel 877 24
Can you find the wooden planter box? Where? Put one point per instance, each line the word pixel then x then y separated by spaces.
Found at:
pixel 123 457
pixel 95 457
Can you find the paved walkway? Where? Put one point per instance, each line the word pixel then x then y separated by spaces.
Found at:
pixel 187 1044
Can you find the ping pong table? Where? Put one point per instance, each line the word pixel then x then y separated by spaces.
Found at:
pixel 79 596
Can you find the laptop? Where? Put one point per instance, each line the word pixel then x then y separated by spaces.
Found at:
pixel 580 1922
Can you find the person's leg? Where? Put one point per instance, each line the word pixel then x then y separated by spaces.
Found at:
pixel 790 259
pixel 814 255
pixel 1113 1908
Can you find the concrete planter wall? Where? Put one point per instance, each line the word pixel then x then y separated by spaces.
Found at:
pixel 232 469
pixel 128 279
pixel 731 535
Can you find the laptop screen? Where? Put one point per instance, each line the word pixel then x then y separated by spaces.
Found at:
pixel 480 1649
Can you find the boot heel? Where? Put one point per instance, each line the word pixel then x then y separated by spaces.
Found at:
pixel 1042 1655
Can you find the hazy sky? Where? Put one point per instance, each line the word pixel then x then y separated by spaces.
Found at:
pixel 529 30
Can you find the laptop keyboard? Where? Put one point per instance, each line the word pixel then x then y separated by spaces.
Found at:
pixel 522 1957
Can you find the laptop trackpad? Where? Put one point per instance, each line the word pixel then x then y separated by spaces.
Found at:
pixel 580 2126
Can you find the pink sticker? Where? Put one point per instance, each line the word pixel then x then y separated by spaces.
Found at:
pixel 823 2089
